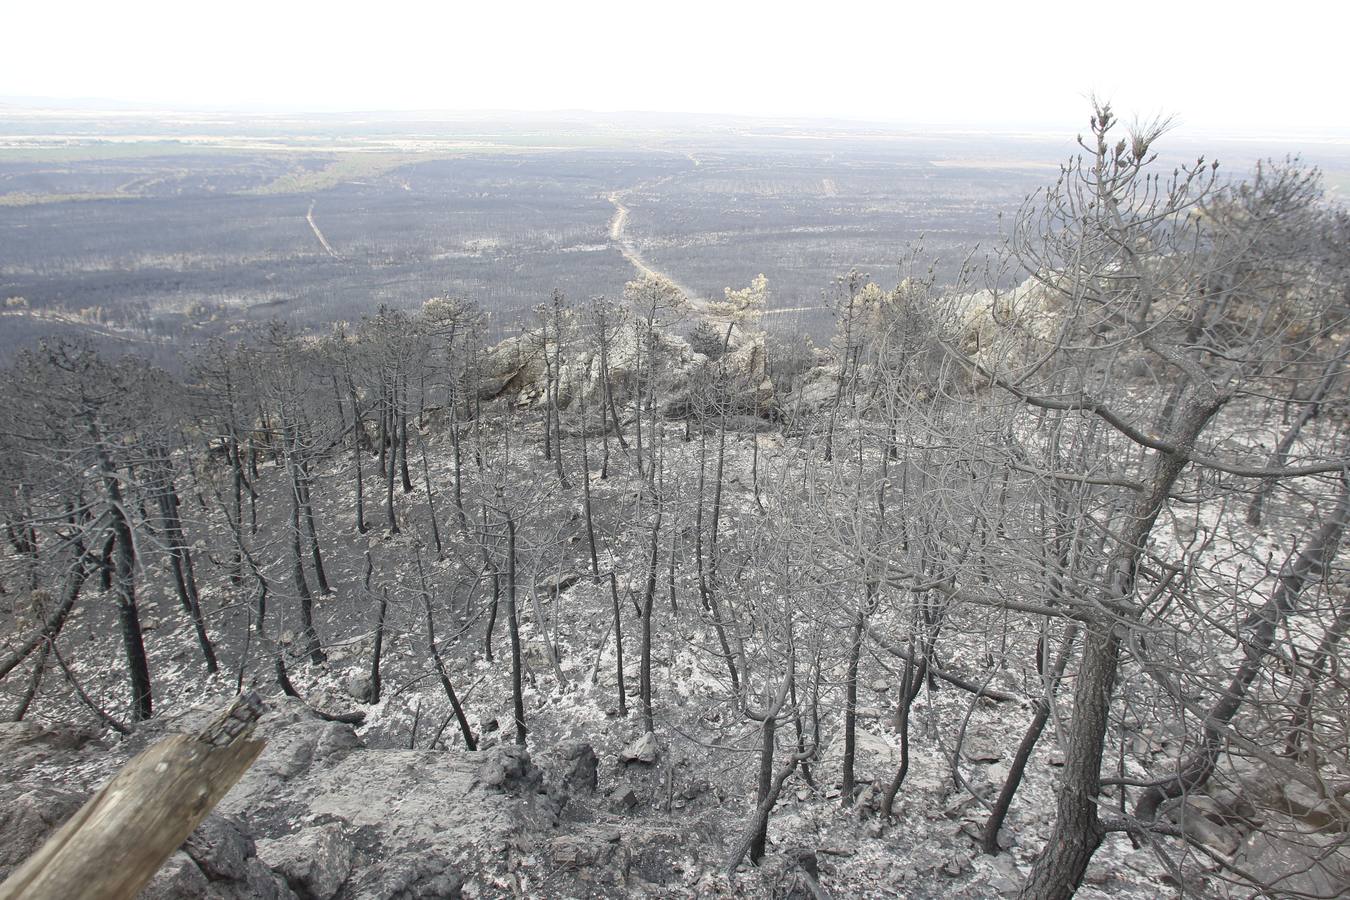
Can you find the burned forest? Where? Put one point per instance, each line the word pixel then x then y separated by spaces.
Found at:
pixel 1027 578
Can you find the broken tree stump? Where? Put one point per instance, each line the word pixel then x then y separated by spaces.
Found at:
pixel 121 836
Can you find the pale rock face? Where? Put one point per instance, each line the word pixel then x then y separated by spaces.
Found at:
pixel 515 371
pixel 643 750
pixel 27 817
pixel 358 686
pixel 818 388
pixel 982 746
pixel 875 759
pixel 1310 863
pixel 315 861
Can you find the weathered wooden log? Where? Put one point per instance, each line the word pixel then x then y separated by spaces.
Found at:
pixel 116 842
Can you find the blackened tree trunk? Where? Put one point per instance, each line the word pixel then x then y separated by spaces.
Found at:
pixel 513 626
pixel 595 556
pixel 847 353
pixel 555 384
pixel 124 583
pixel 402 407
pixel 34 681
pixel 236 503
pixel 910 685
pixel 455 705
pixel 999 813
pixel 452 405
pixel 382 439
pixel 648 601
pixel 1260 628
pixel 377 648
pixel 337 402
pixel 1330 374
pixel 70 593
pixel 761 833
pixel 312 645
pixel 431 503
pixel 769 785
pixel 1078 830
pixel 106 567
pixel 180 557
pixel 358 428
pixel 1300 738
pixel 252 492
pixel 389 478
pixel 851 693
pixel 44 638
pixel 707 589
pixel 608 411
pixel 493 606
pixel 311 531
pixel 459 469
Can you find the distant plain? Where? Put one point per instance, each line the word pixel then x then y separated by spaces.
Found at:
pixel 156 230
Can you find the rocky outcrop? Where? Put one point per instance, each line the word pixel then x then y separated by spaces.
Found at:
pixel 581 767
pixel 343 820
pixel 218 861
pixel 1272 825
pixel 27 815
pixel 316 861
pixel 514 371
pixel 359 687
pixel 31 806
pixel 643 750
pixel 874 759
pixel 319 815
pixel 26 745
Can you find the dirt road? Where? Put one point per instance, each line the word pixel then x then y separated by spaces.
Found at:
pixel 618 235
pixel 314 226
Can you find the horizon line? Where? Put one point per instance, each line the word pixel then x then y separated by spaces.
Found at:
pixel 112 107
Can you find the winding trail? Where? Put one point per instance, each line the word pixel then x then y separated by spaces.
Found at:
pixel 618 235
pixel 314 226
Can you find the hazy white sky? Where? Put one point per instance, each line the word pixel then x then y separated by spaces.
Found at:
pixel 1255 67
